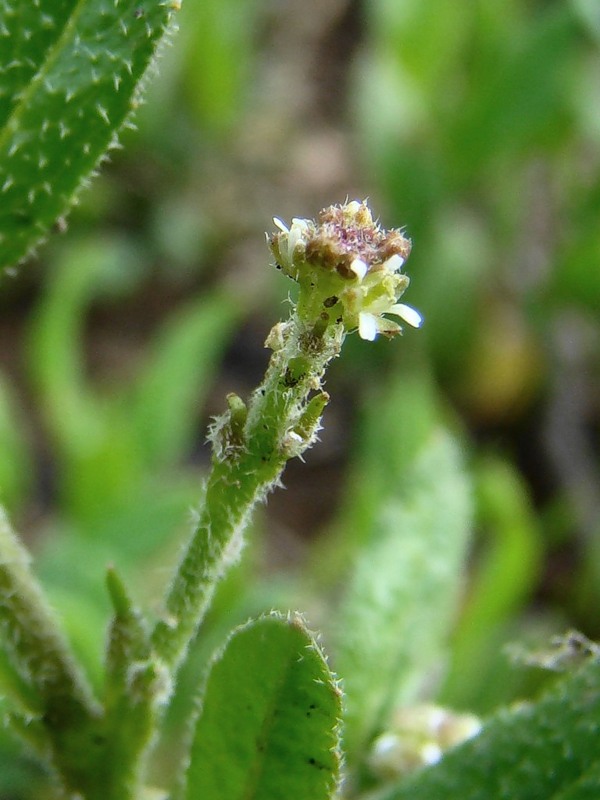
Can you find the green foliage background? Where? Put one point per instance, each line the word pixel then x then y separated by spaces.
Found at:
pixel 474 125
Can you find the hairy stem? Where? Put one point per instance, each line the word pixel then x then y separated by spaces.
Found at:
pixel 58 692
pixel 250 449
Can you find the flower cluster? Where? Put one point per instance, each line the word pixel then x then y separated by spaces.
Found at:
pixel 419 736
pixel 347 267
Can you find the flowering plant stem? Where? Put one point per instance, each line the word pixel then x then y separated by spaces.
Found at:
pixel 250 449
pixel 348 272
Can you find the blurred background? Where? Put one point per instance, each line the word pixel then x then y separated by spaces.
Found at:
pixel 473 126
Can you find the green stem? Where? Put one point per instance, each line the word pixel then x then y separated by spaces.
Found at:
pixel 41 656
pixel 132 693
pixel 250 450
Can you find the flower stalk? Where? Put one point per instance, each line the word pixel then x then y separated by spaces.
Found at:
pixel 250 449
pixel 348 272
pixel 349 277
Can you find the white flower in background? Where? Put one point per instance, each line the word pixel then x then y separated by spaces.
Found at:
pixel 418 736
pixel 348 269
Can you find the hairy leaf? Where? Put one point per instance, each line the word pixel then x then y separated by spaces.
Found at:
pixel 69 79
pixel 401 592
pixel 269 723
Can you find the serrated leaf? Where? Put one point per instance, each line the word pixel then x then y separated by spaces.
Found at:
pixel 547 749
pixel 268 729
pixel 67 116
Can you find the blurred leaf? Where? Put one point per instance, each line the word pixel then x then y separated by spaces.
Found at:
pixel 83 618
pixel 397 420
pixel 106 445
pixel 268 729
pixel 577 276
pixel 96 460
pixel 524 103
pixel 400 597
pixel 506 575
pixel 22 777
pixel 72 561
pixel 218 59
pixel 450 277
pixel 15 460
pixel 437 32
pixel 589 13
pixel 178 375
pixel 72 410
pixel 545 749
pixel 585 787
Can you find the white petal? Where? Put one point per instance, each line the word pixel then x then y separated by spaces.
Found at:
pixel 359 268
pixel 407 313
pixel 367 326
pixel 394 263
pixel 301 222
pixel 281 225
pixel 295 236
pixel 430 753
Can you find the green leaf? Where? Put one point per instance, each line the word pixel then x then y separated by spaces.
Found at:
pixel 219 60
pixel 15 461
pixel 268 729
pixel 178 375
pixel 27 31
pixel 523 102
pixel 108 444
pixel 505 575
pixel 397 422
pixel 585 788
pixel 72 410
pixel 41 656
pixel 547 749
pixel 96 462
pixel 401 593
pixel 587 10
pixel 81 88
pixel 402 598
pixel 133 685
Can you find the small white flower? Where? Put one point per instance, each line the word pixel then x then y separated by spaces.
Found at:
pixel 290 240
pixel 407 313
pixel 294 236
pixel 367 326
pixel 359 268
pixel 353 207
pixel 430 753
pixel 394 263
pixel 281 225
